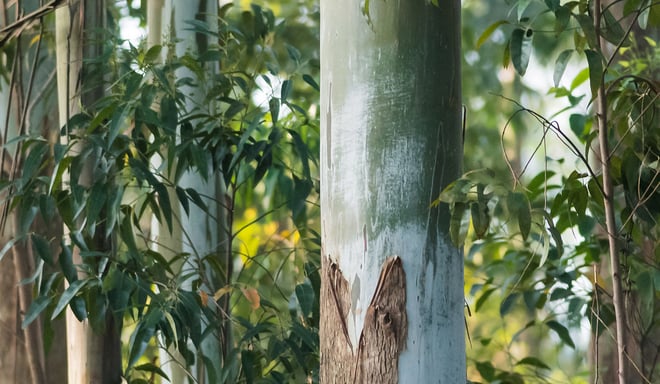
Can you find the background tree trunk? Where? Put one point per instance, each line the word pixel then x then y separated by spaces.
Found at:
pixel 392 292
pixel 94 356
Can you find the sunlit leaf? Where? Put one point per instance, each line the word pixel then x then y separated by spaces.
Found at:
pixel 489 31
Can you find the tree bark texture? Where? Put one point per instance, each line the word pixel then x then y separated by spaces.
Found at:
pixel 392 289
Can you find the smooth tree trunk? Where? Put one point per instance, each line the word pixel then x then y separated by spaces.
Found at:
pixel 204 235
pixel 94 356
pixel 392 290
pixel 26 106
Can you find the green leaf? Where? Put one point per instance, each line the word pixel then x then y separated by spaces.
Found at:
pixel 522 6
pixel 67 296
pixel 285 92
pixel 521 49
pixel 183 199
pixel 486 370
pixel 534 362
pixel 9 245
pixel 164 204
pixel 580 78
pixel 482 299
pixel 578 123
pixel 612 31
pixel 489 31
pixel 595 70
pixel 553 5
pixel 274 106
pixel 562 332
pixel 310 80
pixel 520 209
pixel 560 66
pixel 143 333
pixel 506 55
pixel 151 368
pixel 562 18
pixel 480 218
pixel 66 263
pixel 457 229
pixel 153 54
pixel 41 247
pixel 508 302
pixel 37 306
pixel 305 297
pixel 587 25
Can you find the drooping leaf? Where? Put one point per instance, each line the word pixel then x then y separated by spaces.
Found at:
pixel 534 362
pixel 587 25
pixel 521 49
pixel 560 66
pixel 41 247
pixel 67 296
pixel 562 332
pixel 508 302
pixel 310 80
pixel 37 306
pixel 594 59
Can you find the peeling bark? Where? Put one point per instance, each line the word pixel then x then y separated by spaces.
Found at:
pixel 385 330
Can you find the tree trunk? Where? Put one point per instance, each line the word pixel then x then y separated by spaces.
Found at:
pixel 201 234
pixel 26 108
pixel 94 357
pixel 392 291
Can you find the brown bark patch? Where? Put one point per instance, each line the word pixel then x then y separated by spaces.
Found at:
pixel 384 333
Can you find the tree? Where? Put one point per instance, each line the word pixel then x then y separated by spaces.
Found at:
pixel 392 292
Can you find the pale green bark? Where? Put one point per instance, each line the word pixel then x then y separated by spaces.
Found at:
pixel 391 140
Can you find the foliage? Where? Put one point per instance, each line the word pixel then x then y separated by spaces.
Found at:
pixel 548 227
pixel 140 139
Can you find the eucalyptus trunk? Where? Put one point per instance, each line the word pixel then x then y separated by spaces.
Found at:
pixel 94 356
pixel 26 107
pixel 392 291
pixel 202 234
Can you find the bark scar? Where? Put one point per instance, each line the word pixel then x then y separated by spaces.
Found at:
pixel 385 329
pixel 336 281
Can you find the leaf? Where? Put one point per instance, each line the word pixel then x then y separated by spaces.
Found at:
pixel 153 54
pixel 587 25
pixel 67 296
pixel 148 367
pixel 144 331
pixel 580 78
pixel 489 31
pixel 285 92
pixel 519 208
pixel 37 306
pixel 507 304
pixel 577 123
pixel 562 18
pixel 41 247
pixel 274 106
pixel 595 70
pixel 534 362
pixel 480 218
pixel 560 66
pixel 613 31
pixel 8 246
pixel 521 49
pixel 252 296
pixel 66 263
pixel 562 332
pixel 457 230
pixel 522 6
pixel 553 5
pixel 482 299
pixel 305 297
pixel 506 55
pixel 310 80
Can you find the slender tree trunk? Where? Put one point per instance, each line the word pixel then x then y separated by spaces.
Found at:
pixel 26 108
pixel 94 357
pixel 392 289
pixel 202 234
